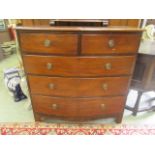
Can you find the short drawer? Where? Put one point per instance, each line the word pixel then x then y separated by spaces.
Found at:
pixel 78 107
pixel 78 87
pixel 79 66
pixel 49 43
pixel 110 43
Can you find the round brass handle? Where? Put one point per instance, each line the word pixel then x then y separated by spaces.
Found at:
pixel 49 66
pixel 102 106
pixel 47 43
pixel 108 66
pixel 54 106
pixel 111 43
pixel 51 86
pixel 52 22
pixel 105 86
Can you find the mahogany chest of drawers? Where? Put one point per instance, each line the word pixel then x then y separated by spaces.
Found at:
pixel 78 73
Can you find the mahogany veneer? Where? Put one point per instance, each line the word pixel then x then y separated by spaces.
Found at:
pixel 78 73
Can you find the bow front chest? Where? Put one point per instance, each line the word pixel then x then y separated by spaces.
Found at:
pixel 78 73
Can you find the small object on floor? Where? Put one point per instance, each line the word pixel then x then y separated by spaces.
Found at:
pixel 18 93
pixel 12 81
pixel 1 54
pixel 8 48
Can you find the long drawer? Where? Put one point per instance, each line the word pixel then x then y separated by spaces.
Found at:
pixel 78 107
pixel 79 66
pixel 49 43
pixel 78 87
pixel 110 43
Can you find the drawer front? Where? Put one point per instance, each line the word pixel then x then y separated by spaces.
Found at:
pixel 79 66
pixel 114 43
pixel 78 87
pixel 78 107
pixel 49 43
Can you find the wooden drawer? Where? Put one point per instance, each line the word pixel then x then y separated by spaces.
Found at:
pixel 78 87
pixel 110 43
pixel 79 66
pixel 78 107
pixel 49 43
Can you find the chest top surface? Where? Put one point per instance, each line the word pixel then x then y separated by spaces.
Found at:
pixel 80 29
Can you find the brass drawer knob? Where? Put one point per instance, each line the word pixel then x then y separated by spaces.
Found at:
pixel 51 86
pixel 47 43
pixel 102 106
pixel 111 43
pixel 49 66
pixel 52 22
pixel 105 86
pixel 108 66
pixel 54 106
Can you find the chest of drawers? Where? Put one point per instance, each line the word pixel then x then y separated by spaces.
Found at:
pixel 78 73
